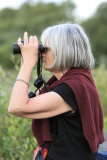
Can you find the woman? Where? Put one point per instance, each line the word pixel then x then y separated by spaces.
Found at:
pixel 68 119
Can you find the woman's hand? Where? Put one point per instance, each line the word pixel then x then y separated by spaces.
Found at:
pixel 21 60
pixel 29 51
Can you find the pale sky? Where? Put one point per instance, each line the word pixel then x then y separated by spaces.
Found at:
pixel 85 8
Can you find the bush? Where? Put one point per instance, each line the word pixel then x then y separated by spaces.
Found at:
pixel 105 124
pixel 16 138
pixel 100 77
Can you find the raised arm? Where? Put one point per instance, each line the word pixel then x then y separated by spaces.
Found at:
pixel 42 106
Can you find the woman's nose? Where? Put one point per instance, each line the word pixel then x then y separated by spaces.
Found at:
pixel 43 54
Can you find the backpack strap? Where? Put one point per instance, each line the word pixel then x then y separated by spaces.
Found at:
pixel 40 153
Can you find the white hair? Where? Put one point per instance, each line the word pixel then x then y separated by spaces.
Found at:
pixel 70 46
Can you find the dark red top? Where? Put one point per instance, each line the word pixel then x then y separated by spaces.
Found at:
pixel 82 84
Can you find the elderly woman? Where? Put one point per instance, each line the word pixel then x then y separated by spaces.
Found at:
pixel 67 120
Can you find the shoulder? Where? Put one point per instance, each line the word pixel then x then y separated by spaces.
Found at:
pixel 67 95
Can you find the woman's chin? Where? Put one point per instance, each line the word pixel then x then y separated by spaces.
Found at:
pixel 44 67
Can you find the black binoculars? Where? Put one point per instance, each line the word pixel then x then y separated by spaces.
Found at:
pixel 16 48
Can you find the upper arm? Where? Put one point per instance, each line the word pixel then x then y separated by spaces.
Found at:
pixel 68 95
pixel 46 105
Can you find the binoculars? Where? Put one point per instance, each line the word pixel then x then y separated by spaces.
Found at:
pixel 16 48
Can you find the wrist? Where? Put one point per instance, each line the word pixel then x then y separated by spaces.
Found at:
pixel 28 66
pixel 25 72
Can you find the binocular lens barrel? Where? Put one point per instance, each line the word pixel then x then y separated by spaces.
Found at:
pixel 16 48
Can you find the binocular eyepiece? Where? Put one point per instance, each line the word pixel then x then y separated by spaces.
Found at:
pixel 16 48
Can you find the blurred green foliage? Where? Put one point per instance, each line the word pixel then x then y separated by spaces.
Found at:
pixel 105 124
pixel 100 77
pixel 96 27
pixel 16 138
pixel 32 19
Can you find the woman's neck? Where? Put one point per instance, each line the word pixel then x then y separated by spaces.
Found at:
pixel 59 74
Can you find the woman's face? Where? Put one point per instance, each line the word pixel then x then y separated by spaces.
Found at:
pixel 48 59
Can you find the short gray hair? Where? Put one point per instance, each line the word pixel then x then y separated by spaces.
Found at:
pixel 70 46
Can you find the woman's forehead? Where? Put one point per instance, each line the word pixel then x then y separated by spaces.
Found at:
pixel 46 42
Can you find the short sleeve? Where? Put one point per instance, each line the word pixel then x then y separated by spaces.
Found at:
pixel 67 94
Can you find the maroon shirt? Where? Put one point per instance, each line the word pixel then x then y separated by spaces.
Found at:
pixel 82 84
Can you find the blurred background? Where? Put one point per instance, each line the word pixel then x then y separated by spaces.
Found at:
pixel 33 16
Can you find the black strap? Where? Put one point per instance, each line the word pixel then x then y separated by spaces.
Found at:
pixel 39 81
pixel 39 66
